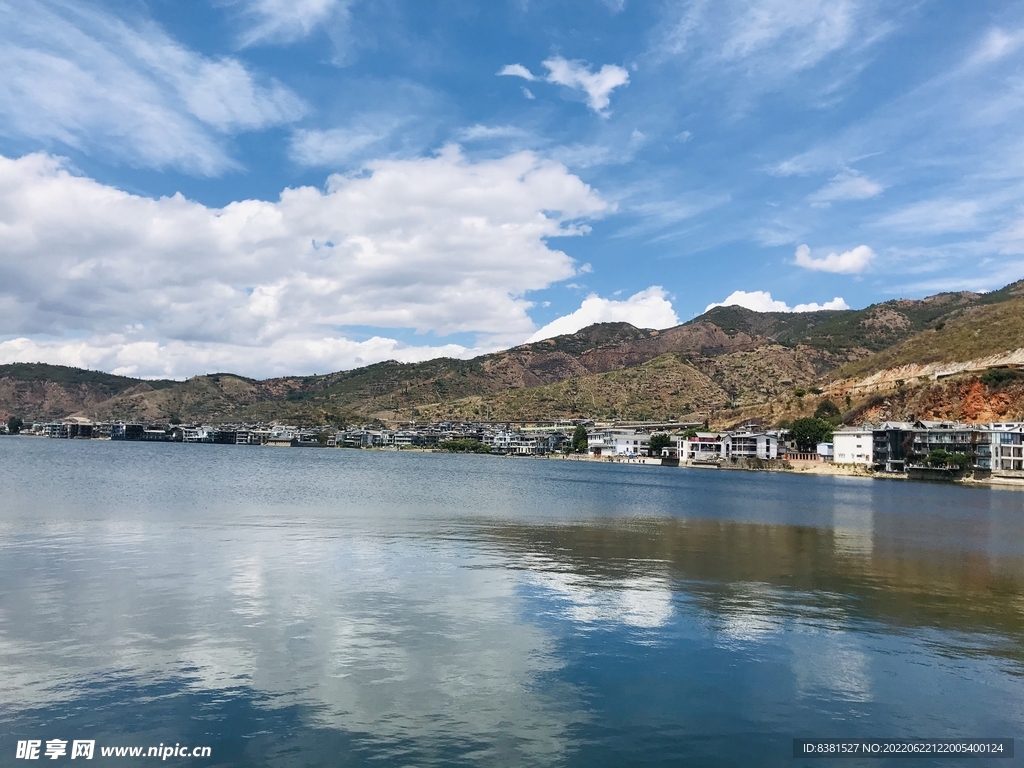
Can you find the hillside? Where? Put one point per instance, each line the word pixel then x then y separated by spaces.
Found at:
pixel 729 363
pixel 978 331
pixel 52 391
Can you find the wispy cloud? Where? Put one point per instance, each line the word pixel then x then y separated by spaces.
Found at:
pixel 579 76
pixel 846 186
pixel 768 42
pixel 285 21
pixel 937 216
pixel 90 81
pixel 489 132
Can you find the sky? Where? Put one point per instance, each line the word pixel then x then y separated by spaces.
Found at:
pixel 275 187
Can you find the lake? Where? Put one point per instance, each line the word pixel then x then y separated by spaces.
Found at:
pixel 309 607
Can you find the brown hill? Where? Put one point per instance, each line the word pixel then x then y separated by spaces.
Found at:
pixel 729 360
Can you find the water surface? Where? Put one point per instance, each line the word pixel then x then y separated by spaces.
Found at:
pixel 334 607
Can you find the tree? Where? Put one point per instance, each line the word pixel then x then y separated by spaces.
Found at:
pixel 808 432
pixel 659 441
pixel 464 445
pixel 14 425
pixel 579 439
pixel 691 432
pixel 828 411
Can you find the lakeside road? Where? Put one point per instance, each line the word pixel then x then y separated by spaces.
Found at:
pixel 798 467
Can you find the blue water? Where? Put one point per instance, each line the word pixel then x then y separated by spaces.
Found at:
pixel 303 607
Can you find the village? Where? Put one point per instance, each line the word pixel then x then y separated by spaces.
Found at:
pixel 917 449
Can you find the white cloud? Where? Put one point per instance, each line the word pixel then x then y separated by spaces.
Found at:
pixel 647 309
pixel 597 85
pixel 435 244
pixel 767 43
pixel 517 70
pixel 528 93
pixel 848 262
pixel 935 217
pixel 487 132
pixel 762 301
pixel 847 186
pixel 88 80
pixel 286 21
pixel 998 44
pixel 578 76
pixel 124 355
pixel 337 146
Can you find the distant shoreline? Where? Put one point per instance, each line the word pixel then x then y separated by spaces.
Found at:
pixel 793 467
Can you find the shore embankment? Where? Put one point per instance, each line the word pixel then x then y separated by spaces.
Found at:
pixel 799 467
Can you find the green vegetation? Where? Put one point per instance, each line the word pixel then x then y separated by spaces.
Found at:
pixel 579 439
pixel 977 331
pixel 658 442
pixel 995 378
pixel 942 460
pixel 690 433
pixel 14 425
pixel 464 445
pixel 808 432
pixel 828 411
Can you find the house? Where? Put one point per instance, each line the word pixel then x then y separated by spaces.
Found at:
pixel 1004 453
pixel 853 445
pixel 891 441
pixel 751 445
pixel 282 441
pixel 618 442
pixel 704 447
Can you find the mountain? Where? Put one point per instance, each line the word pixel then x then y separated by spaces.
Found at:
pixel 730 363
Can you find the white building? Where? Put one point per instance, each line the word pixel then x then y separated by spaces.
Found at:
pixel 853 445
pixel 1007 448
pixel 618 442
pixel 705 447
pixel 750 445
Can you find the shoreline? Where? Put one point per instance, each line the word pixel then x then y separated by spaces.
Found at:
pixel 791 466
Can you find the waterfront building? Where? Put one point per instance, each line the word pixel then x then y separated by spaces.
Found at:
pixel 853 445
pixel 1005 449
pixel 618 442
pixel 891 441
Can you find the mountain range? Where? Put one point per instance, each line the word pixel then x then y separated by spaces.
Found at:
pixel 952 355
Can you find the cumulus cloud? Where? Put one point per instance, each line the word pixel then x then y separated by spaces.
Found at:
pixel 516 70
pixel 849 262
pixel 847 186
pixel 577 75
pixel 437 244
pixel 86 79
pixel 762 301
pixel 597 85
pixel 126 354
pixel 647 309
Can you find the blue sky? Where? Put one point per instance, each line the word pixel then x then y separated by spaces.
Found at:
pixel 277 187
